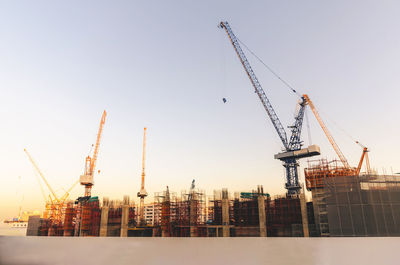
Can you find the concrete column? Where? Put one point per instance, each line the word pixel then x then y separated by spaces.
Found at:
pixel 193 216
pixel 261 215
pixel 33 225
pixel 165 215
pixel 225 213
pixel 104 217
pixel 51 231
pixel 125 217
pixel 83 221
pixel 304 215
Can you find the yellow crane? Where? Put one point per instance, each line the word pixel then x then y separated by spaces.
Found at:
pixel 54 204
pixel 90 162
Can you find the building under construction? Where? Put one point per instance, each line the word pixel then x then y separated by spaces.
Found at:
pixel 188 215
pixel 345 201
pixel 353 205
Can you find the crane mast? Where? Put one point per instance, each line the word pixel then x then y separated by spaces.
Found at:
pixel 292 148
pixel 295 142
pixel 90 162
pixel 143 159
pixel 191 190
pixel 142 193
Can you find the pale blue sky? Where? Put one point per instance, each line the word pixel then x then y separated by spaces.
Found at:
pixel 166 65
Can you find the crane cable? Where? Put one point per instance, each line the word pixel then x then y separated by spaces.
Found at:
pixel 308 128
pixel 270 69
pixel 293 90
pixel 332 121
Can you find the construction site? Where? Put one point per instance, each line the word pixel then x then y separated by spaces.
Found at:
pixel 345 200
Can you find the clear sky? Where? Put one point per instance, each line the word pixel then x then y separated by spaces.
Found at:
pixel 166 65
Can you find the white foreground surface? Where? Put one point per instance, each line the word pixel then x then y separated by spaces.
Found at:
pixel 241 251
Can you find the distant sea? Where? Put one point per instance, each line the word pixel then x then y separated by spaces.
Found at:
pixel 7 230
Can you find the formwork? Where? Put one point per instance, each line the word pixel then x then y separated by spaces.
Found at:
pixel 311 220
pixel 90 217
pixel 284 217
pixel 246 218
pixel 283 214
pixel 114 220
pixel 245 212
pixel 132 216
pixel 69 220
pixel 55 230
pixel 44 227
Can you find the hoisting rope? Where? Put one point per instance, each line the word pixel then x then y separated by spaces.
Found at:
pixel 308 128
pixel 294 91
pixel 269 68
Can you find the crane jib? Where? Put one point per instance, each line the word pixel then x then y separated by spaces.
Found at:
pixel 257 86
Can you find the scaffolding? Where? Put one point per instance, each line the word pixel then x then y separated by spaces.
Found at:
pixel 180 216
pixel 186 215
pixel 319 170
pixel 166 218
pixel 90 212
pixel 52 223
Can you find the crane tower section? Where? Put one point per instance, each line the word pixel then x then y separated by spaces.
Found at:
pixel 292 148
pixel 90 162
pixel 142 193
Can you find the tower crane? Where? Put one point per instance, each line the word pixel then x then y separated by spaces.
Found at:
pixel 142 193
pixel 292 148
pixel 363 156
pixel 40 173
pixel 54 204
pixel 90 162
pixel 191 190
pixel 326 131
pixel 348 169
